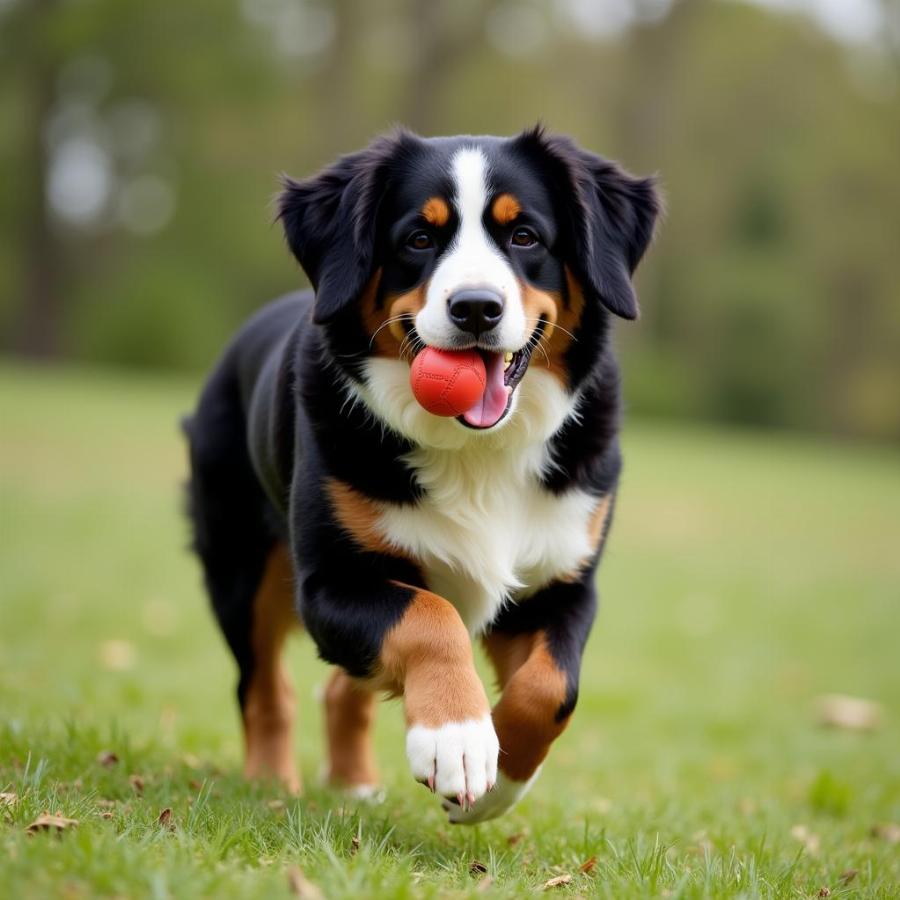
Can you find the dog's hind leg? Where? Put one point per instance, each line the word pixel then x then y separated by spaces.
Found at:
pixel 249 579
pixel 349 716
pixel 267 708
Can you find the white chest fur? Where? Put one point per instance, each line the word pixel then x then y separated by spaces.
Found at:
pixel 486 531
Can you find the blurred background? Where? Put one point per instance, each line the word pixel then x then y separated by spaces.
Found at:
pixel 141 144
pixel 752 573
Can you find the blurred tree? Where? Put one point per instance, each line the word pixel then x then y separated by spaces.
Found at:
pixel 142 142
pixel 37 325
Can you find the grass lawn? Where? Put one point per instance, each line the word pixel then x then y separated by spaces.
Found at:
pixel 747 575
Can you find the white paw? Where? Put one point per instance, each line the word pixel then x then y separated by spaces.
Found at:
pixel 367 793
pixel 458 759
pixel 503 797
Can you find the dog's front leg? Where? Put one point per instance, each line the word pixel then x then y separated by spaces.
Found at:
pixel 536 650
pixel 409 641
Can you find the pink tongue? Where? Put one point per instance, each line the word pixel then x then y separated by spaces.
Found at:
pixel 492 404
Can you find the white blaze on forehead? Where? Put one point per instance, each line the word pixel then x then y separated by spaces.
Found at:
pixel 472 260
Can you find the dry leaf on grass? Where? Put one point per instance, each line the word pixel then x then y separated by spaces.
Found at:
pixel 8 798
pixel 559 881
pixel 48 822
pixel 886 831
pixel 514 839
pixel 107 758
pixel 477 867
pixel 354 845
pixel 849 713
pixel 809 840
pixel 588 865
pixel 137 783
pixel 824 892
pixel 300 886
pixel 117 655
pixel 165 819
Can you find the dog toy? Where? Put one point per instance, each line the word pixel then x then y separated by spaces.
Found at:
pixel 447 382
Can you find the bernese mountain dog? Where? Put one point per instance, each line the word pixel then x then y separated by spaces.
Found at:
pixel 323 494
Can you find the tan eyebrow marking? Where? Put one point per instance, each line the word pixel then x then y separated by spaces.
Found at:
pixel 505 208
pixel 436 212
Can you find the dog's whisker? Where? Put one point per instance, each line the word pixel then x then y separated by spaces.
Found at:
pixel 388 322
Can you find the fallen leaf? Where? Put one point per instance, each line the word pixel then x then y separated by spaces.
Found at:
pixel 165 818
pixel 8 798
pixel 848 875
pixel 559 881
pixel 588 865
pixel 514 839
pixel 849 713
pixel 354 845
pixel 477 867
pixel 300 886
pixel 137 783
pixel 887 831
pixel 809 840
pixel 106 815
pixel 824 892
pixel 107 758
pixel 48 822
pixel 117 655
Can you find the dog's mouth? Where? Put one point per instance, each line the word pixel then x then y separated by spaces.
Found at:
pixel 504 371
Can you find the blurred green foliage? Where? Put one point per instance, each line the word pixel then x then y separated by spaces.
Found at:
pixel 141 144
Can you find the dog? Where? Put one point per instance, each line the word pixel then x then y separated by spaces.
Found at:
pixel 322 493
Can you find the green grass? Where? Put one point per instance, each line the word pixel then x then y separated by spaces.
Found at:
pixel 747 574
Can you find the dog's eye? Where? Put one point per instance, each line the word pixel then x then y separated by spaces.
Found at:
pixel 524 237
pixel 420 240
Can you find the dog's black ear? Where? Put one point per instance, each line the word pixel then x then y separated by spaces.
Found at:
pixel 330 220
pixel 611 216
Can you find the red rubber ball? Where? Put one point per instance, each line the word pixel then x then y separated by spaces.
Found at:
pixel 447 382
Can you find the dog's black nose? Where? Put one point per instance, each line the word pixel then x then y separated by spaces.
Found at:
pixel 475 310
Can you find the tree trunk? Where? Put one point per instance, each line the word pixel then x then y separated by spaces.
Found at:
pixel 39 322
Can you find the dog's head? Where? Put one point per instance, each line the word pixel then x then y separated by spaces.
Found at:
pixel 518 247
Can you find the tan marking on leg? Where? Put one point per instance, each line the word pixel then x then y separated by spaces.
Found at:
pixel 427 656
pixel 534 688
pixel 349 715
pixel 268 712
pixel 505 208
pixel 508 653
pixel 436 212
pixel 359 516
